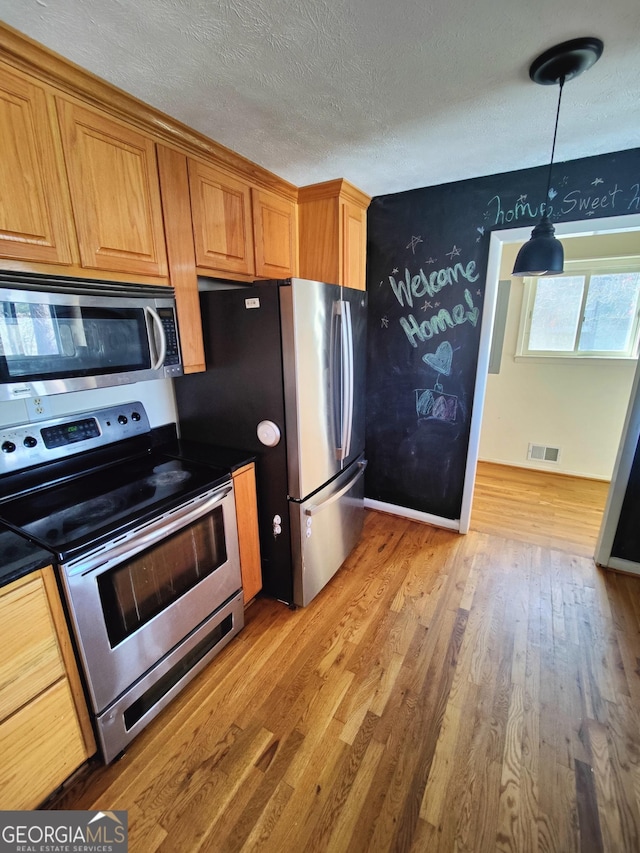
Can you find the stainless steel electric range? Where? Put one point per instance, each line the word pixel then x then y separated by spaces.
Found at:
pixel 145 543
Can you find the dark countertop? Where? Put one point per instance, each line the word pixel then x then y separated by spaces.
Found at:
pixel 19 557
pixel 211 454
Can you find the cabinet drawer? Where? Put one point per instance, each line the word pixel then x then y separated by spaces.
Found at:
pixel 41 745
pixel 31 659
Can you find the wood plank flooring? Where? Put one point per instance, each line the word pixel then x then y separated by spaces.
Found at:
pixel 443 693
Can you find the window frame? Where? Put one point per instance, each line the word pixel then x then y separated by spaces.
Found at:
pixel 586 268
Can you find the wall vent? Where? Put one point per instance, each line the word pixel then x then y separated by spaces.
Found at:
pixel 542 453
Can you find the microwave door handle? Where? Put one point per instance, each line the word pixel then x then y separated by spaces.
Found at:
pixel 157 323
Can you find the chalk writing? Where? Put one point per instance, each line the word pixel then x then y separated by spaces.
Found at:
pixel 635 201
pixel 520 210
pixel 439 322
pixel 420 285
pixel 576 200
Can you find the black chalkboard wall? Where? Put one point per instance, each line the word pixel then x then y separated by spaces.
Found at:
pixel 426 266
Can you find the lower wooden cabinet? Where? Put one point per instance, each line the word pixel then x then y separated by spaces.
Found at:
pixel 244 485
pixel 45 731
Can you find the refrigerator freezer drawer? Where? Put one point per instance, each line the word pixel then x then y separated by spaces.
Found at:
pixel 324 530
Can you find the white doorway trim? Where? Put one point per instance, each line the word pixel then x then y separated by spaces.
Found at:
pixel 585 227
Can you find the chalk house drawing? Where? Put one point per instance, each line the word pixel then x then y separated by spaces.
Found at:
pixel 433 402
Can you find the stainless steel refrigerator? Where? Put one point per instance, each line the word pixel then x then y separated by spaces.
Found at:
pixel 285 380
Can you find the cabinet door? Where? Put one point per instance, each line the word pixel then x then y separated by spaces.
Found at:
pixel 244 487
pixel 113 176
pixel 354 245
pixel 275 234
pixel 35 214
pixel 221 211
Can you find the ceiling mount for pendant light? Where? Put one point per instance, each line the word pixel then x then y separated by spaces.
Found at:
pixel 543 253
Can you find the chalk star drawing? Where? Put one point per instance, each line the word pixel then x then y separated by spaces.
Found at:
pixel 564 181
pixel 426 305
pixel 480 230
pixel 552 193
pixel 430 260
pixel 453 253
pixel 437 304
pixel 478 293
pixel 522 199
pixel 413 243
pixel 384 322
pixel 590 212
pixel 596 182
pixel 394 271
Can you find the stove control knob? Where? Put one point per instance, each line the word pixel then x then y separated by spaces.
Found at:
pixel 30 441
pixel 8 447
pixel 135 416
pixel 123 419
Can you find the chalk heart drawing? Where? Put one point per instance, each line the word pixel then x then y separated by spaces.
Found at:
pixel 441 359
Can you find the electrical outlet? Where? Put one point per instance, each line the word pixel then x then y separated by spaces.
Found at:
pixel 38 408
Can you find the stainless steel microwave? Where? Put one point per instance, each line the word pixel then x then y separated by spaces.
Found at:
pixel 59 335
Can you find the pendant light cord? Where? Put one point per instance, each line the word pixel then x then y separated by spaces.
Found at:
pixel 553 147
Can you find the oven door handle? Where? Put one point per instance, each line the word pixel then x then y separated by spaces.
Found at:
pixel 145 536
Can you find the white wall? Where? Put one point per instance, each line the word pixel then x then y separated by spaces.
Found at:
pixel 156 395
pixel 578 406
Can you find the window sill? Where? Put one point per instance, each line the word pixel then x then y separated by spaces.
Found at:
pixel 572 359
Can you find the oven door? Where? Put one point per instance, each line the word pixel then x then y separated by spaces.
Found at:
pixel 135 600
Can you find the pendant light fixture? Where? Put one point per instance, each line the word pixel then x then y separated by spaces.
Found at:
pixel 543 253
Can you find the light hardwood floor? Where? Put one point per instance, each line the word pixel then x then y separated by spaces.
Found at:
pixel 443 693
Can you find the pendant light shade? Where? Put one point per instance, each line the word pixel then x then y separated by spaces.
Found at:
pixel 543 253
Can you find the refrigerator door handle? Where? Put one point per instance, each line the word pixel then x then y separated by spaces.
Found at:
pixel 343 377
pixel 316 508
pixel 347 387
pixel 335 372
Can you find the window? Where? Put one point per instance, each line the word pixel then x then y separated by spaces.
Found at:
pixel 592 311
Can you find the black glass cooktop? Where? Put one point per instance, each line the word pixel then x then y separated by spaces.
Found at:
pixel 72 516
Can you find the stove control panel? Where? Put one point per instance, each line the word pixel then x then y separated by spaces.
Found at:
pixel 26 445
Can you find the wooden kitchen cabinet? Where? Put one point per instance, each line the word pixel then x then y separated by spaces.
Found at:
pixel 238 228
pixel 35 210
pixel 45 732
pixel 115 192
pixel 333 233
pixel 274 235
pixel 244 487
pixel 221 210
pixel 176 206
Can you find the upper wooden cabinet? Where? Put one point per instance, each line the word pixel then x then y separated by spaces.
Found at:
pixel 221 210
pixel 333 233
pixel 115 193
pixel 35 214
pixel 274 234
pixel 239 228
pixel 176 206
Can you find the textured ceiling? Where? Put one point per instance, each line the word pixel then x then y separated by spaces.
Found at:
pixel 390 94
